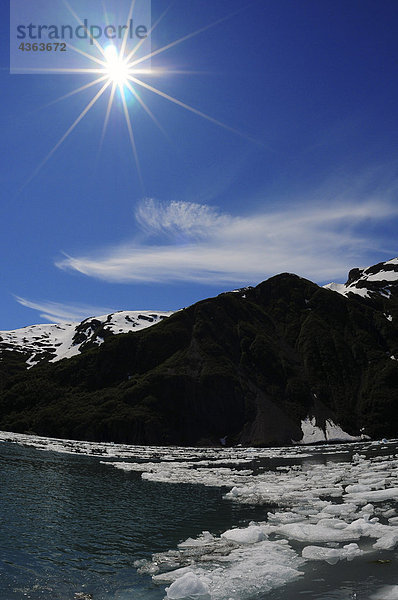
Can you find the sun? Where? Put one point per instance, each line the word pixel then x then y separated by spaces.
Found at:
pixel 116 69
pixel 121 69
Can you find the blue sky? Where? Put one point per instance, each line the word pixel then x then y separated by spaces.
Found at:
pixel 307 183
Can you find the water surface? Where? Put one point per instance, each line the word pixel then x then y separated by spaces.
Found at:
pixel 70 524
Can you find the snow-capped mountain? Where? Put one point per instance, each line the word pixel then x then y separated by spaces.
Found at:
pixel 285 360
pixel 380 279
pixel 53 342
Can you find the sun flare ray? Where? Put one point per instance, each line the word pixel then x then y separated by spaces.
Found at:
pixel 102 63
pixel 189 108
pixel 132 139
pixel 182 39
pixel 124 41
pixel 77 90
pixel 139 44
pixel 107 114
pixel 69 131
pixel 95 42
pixel 146 108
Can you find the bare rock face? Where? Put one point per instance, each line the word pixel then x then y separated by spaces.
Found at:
pixel 354 275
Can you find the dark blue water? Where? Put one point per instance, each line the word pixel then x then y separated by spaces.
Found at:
pixel 71 525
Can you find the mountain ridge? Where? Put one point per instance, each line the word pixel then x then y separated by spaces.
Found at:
pixel 249 366
pixel 369 281
pixel 55 341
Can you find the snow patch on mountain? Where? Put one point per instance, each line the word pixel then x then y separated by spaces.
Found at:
pixel 313 434
pixel 53 342
pixel 368 282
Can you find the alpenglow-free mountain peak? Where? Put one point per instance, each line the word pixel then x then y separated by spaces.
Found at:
pixel 285 361
pixel 368 282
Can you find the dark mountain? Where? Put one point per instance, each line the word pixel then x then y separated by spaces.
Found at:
pixel 251 365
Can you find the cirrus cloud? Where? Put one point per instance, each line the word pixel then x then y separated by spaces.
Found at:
pixel 198 243
pixel 57 312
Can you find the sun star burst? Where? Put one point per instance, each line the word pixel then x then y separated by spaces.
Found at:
pixel 116 68
pixel 119 68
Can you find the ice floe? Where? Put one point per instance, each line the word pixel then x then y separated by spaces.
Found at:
pixel 332 555
pixel 188 586
pixel 331 503
pixel 228 569
pixel 387 592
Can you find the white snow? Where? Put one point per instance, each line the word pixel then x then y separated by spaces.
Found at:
pixel 387 275
pixel 344 290
pixel 313 434
pixel 56 340
pixel 336 287
pixel 383 276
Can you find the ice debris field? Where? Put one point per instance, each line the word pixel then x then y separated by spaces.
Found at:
pixel 340 508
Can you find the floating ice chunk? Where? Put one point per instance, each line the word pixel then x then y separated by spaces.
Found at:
pixel 387 541
pixel 338 510
pixel 331 555
pixel 372 496
pixel 393 520
pixel 362 487
pixel 303 532
pixel 353 489
pixel 333 523
pixel 351 551
pixel 285 517
pixel 188 587
pixel 372 528
pixel 171 576
pixel 387 592
pixel 203 540
pixel 247 535
pixel 229 571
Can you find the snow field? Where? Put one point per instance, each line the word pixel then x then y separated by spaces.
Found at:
pixel 58 340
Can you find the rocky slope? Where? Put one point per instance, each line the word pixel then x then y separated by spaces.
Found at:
pixel 260 366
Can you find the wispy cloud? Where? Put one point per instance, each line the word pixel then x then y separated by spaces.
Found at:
pixel 176 219
pixel 197 243
pixel 56 312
